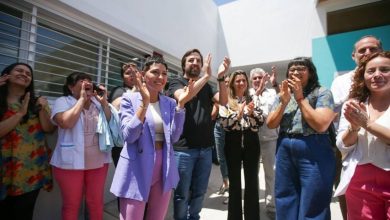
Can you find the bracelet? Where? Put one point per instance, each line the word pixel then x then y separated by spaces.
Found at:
pixel 221 79
pixel 350 129
pixel 300 99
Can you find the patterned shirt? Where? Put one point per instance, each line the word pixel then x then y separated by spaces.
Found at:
pixel 293 122
pixel 230 122
pixel 24 163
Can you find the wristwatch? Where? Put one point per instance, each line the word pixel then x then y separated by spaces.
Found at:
pixel 221 79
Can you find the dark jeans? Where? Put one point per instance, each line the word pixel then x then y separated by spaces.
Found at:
pixel 305 170
pixel 243 147
pixel 19 207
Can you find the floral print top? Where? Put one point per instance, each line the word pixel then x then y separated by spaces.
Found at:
pixel 24 158
pixel 230 122
pixel 293 122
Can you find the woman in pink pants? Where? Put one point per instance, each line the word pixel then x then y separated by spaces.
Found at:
pixel 364 141
pixel 80 159
pixel 150 122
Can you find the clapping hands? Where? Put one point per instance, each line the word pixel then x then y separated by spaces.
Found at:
pixel 187 94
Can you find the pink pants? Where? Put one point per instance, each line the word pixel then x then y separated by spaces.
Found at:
pixel 73 182
pixel 158 200
pixel 368 194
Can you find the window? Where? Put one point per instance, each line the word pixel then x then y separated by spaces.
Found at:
pixel 58 47
pixel 10 35
pixel 57 55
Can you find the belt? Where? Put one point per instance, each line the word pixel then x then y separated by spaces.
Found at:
pixel 291 135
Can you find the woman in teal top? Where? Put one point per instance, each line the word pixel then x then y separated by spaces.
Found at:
pixel 305 163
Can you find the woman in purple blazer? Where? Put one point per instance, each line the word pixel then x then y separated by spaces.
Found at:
pixel 150 123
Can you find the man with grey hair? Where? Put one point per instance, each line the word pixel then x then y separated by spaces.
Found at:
pixel 265 97
pixel 341 85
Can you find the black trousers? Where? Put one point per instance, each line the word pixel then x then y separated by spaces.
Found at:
pixel 243 147
pixel 19 207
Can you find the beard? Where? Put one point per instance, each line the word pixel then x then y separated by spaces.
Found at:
pixel 193 72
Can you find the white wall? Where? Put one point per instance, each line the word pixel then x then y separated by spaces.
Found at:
pixel 169 27
pixel 263 31
pixel 268 31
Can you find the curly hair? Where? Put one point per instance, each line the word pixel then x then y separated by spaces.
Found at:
pixel 359 89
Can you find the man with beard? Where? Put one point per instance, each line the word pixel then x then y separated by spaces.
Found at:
pixel 340 88
pixel 193 151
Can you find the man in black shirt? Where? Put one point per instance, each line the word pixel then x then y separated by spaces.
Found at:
pixel 193 151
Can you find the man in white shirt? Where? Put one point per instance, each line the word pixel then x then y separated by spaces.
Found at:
pixel 341 86
pixel 265 97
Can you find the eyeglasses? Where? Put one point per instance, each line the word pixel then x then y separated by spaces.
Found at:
pixel 299 69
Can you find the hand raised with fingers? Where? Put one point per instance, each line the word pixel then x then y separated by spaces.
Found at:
pixel 187 94
pixel 296 87
pixel 142 88
pixel 207 65
pixel 102 95
pixel 356 114
pixel 284 93
pixel 261 87
pixel 241 109
pixel 3 79
pixel 42 101
pixel 83 93
pixel 272 77
pixel 250 107
pixel 224 67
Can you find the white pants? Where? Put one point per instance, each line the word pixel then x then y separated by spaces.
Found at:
pixel 267 153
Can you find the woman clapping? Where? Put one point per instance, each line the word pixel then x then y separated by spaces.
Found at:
pixel 151 123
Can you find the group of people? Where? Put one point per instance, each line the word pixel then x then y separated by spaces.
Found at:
pixel 162 143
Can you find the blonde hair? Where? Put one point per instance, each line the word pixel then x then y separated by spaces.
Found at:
pixel 232 100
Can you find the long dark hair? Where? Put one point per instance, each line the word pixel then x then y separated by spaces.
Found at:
pixel 313 77
pixel 4 93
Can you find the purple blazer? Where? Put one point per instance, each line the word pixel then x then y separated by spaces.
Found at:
pixel 134 172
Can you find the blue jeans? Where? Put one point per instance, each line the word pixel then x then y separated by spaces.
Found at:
pixel 305 170
pixel 194 170
pixel 219 135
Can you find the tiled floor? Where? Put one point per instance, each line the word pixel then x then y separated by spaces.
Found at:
pixel 213 208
